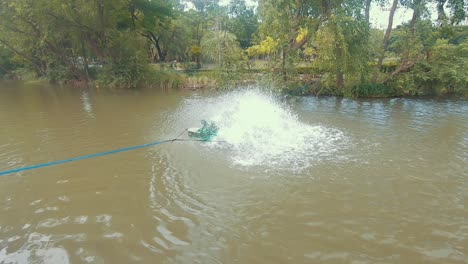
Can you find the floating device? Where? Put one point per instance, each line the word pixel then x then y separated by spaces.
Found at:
pixel 206 132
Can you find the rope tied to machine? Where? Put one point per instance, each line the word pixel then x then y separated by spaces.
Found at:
pixel 114 151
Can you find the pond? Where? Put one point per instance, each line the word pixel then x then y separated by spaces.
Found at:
pixel 298 180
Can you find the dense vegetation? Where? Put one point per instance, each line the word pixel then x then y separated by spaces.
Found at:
pixel 314 46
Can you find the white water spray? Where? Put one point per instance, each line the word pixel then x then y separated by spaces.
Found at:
pixel 261 131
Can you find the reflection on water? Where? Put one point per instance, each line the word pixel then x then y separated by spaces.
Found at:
pixel 309 180
pixel 86 101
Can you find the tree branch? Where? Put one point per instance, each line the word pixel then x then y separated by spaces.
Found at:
pixel 403 68
pixel 23 55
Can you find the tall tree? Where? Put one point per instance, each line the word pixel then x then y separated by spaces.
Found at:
pixel 283 21
pixel 385 40
pixel 151 18
pixel 367 10
pixel 200 19
pixel 407 62
pixel 343 52
pixel 457 9
pixel 243 22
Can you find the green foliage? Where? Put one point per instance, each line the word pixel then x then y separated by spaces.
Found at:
pixel 265 48
pixel 57 72
pixel 61 40
pixel 7 64
pixel 164 79
pixel 444 73
pixel 370 90
pixel 24 74
pixel 375 43
pixel 405 85
pixel 139 75
pixel 326 45
pixel 289 24
pixel 243 22
pixel 312 69
pixel 342 50
pixel 454 35
pixel 221 47
pixel 389 66
pixel 457 11
pixel 130 72
pixel 177 37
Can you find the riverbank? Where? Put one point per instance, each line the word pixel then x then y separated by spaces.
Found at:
pixel 306 81
pixel 301 80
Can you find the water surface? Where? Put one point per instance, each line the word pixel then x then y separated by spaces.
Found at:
pixel 303 180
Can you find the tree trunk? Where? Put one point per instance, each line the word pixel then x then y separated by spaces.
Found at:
pixel 414 19
pixel 441 16
pixel 367 11
pixel 77 73
pixel 197 60
pixel 85 60
pixel 385 40
pixel 96 49
pixel 218 42
pixel 406 64
pixel 283 64
pixel 340 79
pixel 161 53
pixel 100 13
pixel 416 11
pixel 402 68
pixel 340 83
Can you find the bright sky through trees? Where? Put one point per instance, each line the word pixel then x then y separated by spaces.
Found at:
pixel 379 15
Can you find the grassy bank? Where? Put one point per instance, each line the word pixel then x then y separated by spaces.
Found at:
pixel 421 80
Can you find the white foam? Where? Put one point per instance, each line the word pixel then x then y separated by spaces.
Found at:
pixel 260 130
pixel 38 248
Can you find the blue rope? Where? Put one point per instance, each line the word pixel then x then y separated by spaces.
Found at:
pixel 51 163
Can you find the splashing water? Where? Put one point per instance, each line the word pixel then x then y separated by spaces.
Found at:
pixel 259 130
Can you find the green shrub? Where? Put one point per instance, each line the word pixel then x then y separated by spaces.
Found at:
pixel 308 69
pixel 370 90
pixel 164 79
pixel 126 73
pixel 25 74
pixel 443 74
pixel 389 66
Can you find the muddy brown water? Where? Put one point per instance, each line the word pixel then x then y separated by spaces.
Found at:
pixel 359 181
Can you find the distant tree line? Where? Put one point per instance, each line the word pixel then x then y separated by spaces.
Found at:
pixel 118 42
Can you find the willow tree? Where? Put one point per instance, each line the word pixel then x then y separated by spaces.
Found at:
pixel 342 43
pixel 290 23
pixel 221 47
pixel 35 31
pixel 57 38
